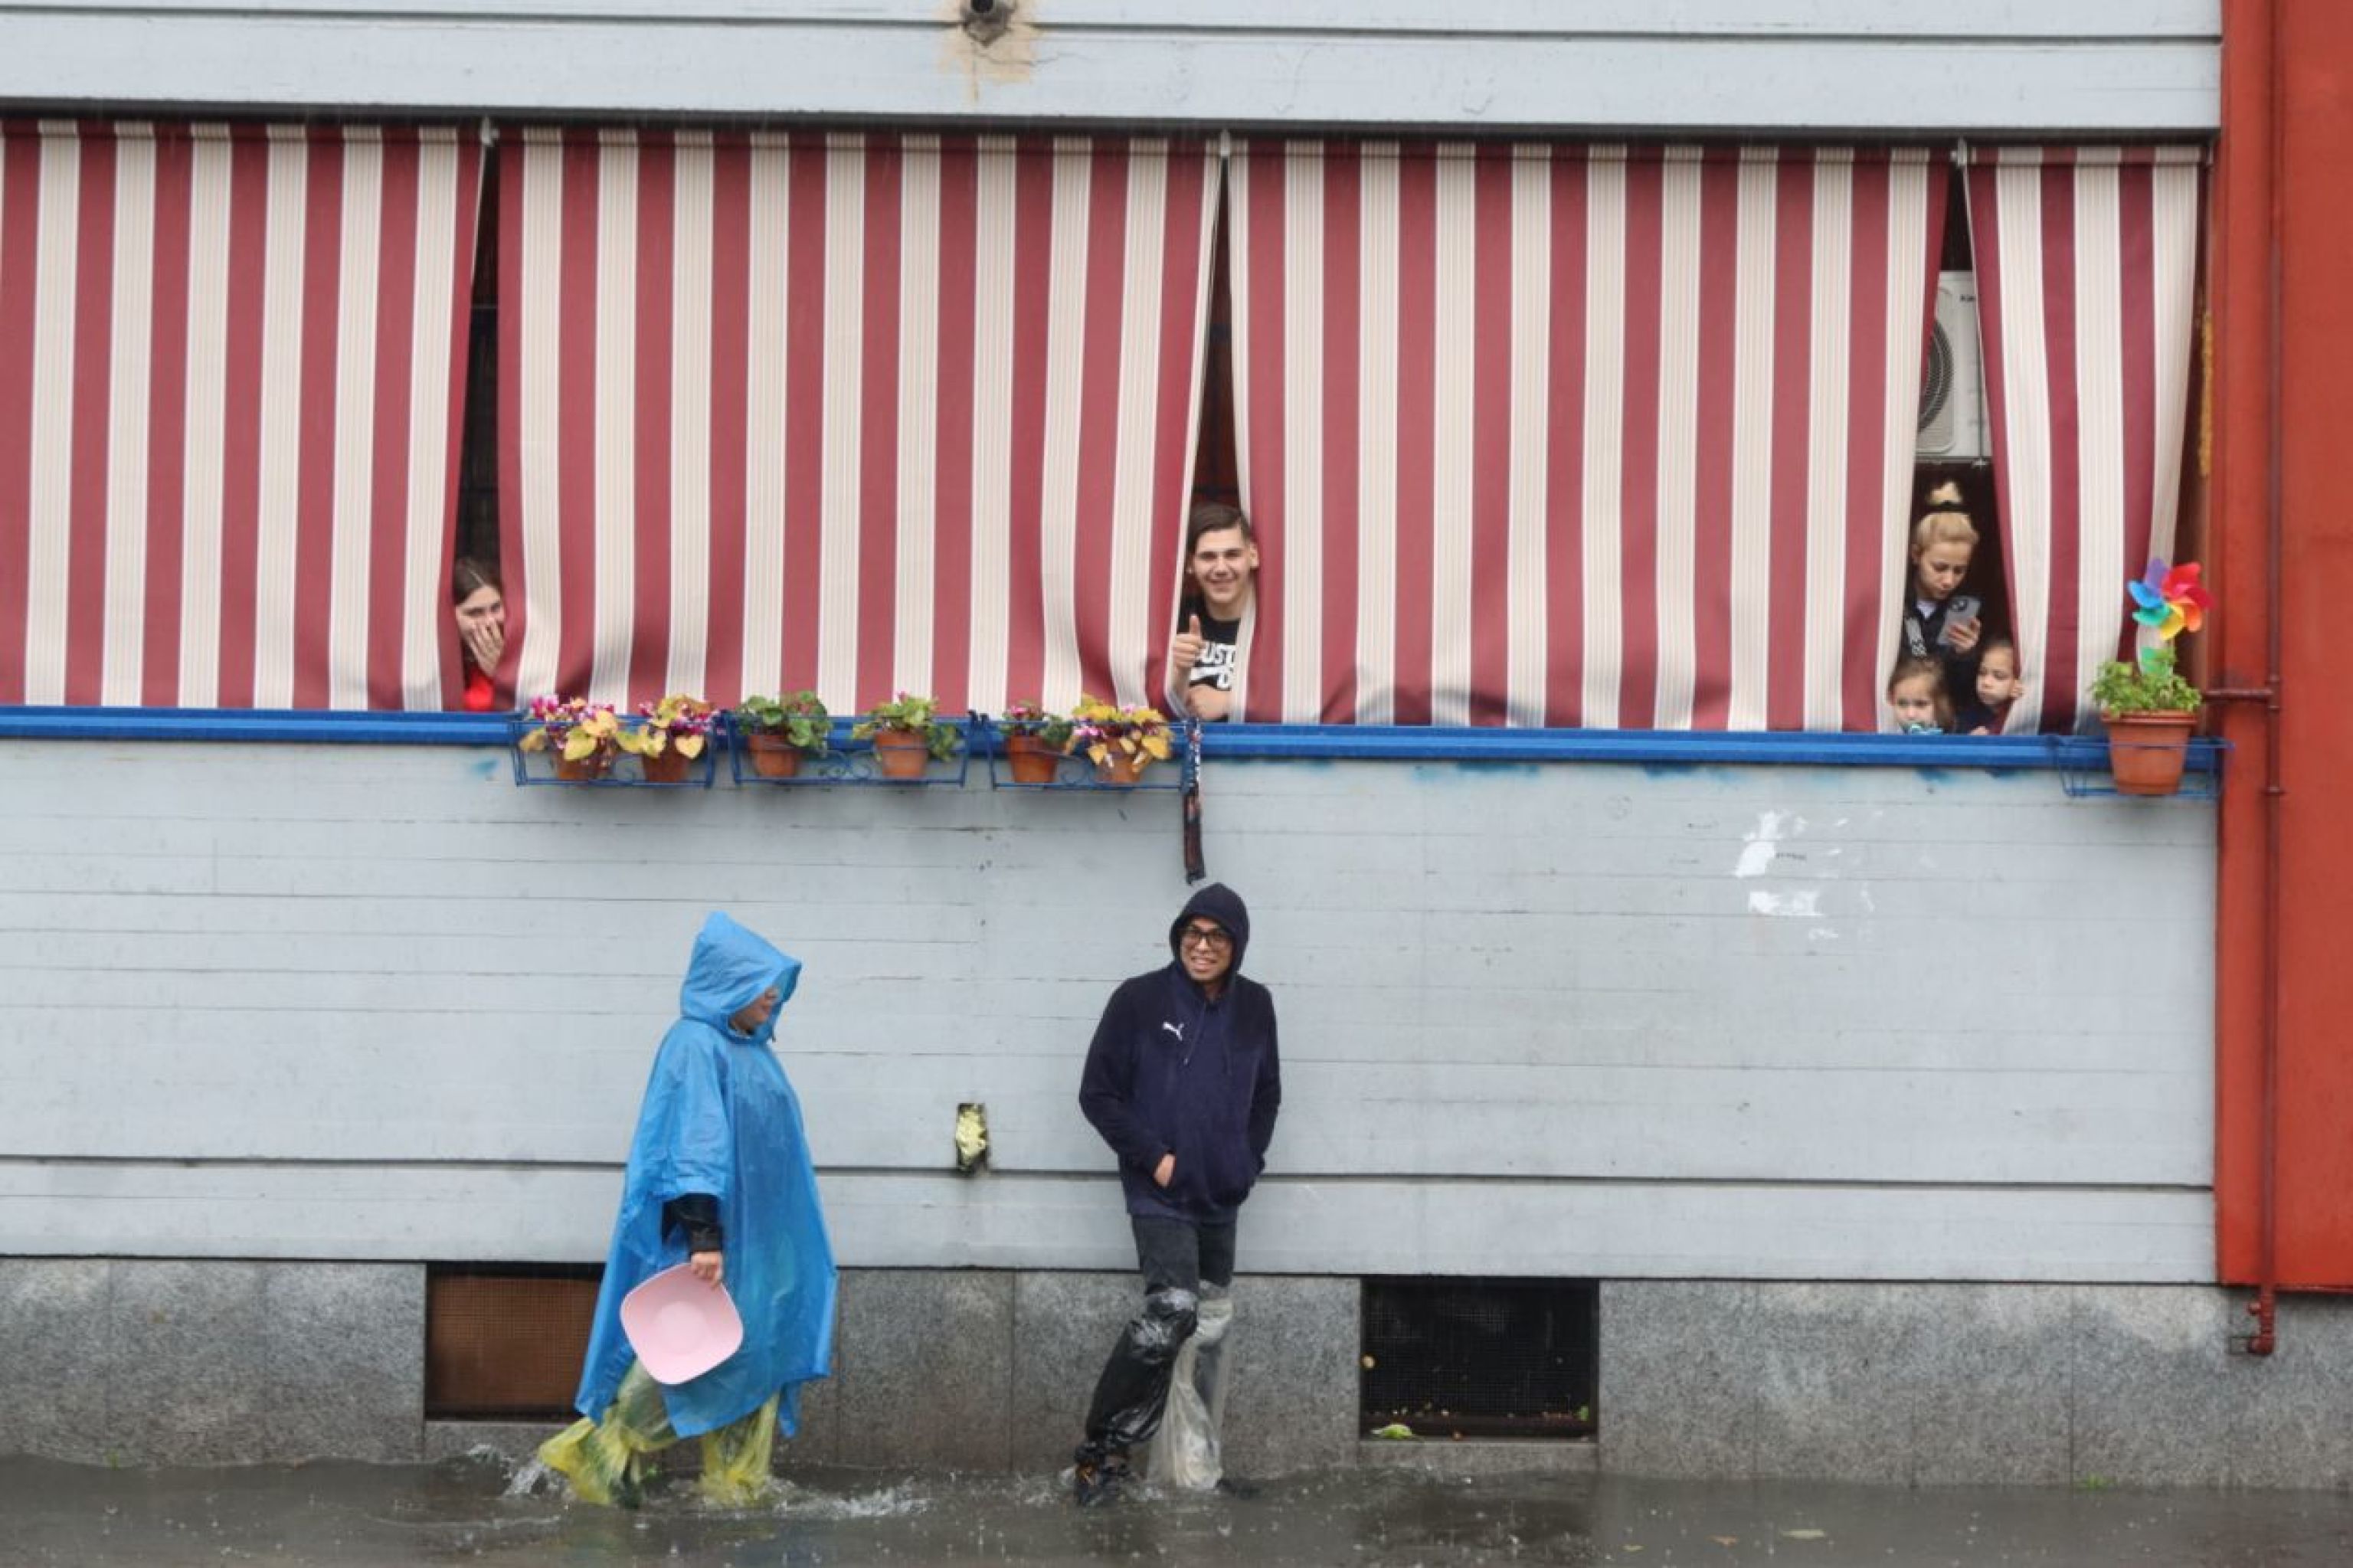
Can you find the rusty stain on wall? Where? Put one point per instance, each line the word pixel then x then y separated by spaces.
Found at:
pixel 990 42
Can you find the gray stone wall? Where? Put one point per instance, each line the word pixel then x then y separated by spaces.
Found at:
pixel 155 1361
pixel 162 1361
pixel 1929 1384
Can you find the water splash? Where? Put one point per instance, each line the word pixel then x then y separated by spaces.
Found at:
pixel 901 1501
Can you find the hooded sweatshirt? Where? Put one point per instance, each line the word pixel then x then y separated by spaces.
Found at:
pixel 719 1118
pixel 1171 1071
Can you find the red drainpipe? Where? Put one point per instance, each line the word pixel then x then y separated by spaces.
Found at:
pixel 2264 1308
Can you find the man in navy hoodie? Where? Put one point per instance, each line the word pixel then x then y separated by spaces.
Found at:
pixel 1183 1082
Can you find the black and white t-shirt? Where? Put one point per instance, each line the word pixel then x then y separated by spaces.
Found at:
pixel 1218 665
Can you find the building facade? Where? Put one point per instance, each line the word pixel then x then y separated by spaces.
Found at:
pixel 1913 1108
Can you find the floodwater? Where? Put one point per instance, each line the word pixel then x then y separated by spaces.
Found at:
pixel 479 1511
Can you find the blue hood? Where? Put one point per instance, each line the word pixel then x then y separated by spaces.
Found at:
pixel 730 967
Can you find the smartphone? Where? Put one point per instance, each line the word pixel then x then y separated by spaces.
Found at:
pixel 1960 610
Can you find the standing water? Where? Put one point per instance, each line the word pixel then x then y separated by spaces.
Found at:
pixel 479 1511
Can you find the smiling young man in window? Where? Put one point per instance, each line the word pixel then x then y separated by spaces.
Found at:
pixel 1220 575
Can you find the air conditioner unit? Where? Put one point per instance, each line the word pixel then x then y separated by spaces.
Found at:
pixel 1952 391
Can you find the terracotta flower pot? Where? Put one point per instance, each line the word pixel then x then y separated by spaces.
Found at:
pixel 1121 767
pixel 1032 761
pixel 2146 751
pixel 901 754
pixel 587 769
pixel 670 768
pixel 773 756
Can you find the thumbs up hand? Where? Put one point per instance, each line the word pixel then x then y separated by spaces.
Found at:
pixel 1185 652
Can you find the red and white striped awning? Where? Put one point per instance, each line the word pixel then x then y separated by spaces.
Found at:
pixel 1578 436
pixel 2087 265
pixel 860 413
pixel 228 412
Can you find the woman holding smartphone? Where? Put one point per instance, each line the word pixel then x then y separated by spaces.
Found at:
pixel 1939 621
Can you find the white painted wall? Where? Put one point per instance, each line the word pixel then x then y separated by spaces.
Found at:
pixel 1775 1022
pixel 1840 66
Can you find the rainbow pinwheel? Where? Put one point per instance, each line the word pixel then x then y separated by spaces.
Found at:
pixel 2172 600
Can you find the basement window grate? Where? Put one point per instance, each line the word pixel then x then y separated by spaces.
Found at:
pixel 504 1341
pixel 1479 1358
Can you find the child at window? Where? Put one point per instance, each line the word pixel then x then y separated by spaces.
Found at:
pixel 1998 686
pixel 1917 697
pixel 1940 624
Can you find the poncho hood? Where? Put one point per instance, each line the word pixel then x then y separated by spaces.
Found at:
pixel 730 967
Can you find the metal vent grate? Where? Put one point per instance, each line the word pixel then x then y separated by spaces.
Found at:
pixel 1479 1358
pixel 505 1341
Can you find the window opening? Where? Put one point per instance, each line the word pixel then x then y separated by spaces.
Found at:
pixel 1955 443
pixel 1216 475
pixel 477 442
pixel 504 1341
pixel 1479 1358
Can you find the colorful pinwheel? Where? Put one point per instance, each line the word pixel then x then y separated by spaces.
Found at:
pixel 2173 601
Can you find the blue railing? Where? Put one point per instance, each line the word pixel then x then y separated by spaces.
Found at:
pixel 1221 742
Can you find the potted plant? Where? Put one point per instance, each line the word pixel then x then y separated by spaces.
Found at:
pixel 1120 741
pixel 1035 741
pixel 668 736
pixel 2148 703
pixel 2148 706
pixel 585 736
pixel 779 731
pixel 907 734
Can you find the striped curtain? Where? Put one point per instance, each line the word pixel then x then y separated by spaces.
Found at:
pixel 1577 436
pixel 862 413
pixel 229 400
pixel 2087 264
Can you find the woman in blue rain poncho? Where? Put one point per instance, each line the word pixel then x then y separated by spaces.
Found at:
pixel 719 1177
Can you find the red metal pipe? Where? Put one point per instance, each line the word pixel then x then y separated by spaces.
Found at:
pixel 2265 1306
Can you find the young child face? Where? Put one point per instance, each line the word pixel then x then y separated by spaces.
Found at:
pixel 1997 682
pixel 1938 569
pixel 1913 700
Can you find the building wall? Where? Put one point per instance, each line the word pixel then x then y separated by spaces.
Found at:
pixel 1715 66
pixel 375 1002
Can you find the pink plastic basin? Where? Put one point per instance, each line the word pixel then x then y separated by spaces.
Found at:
pixel 680 1327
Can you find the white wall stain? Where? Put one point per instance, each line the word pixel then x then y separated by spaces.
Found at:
pixel 1804 902
pixel 1759 848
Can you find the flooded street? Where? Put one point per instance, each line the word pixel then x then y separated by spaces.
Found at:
pixel 482 1511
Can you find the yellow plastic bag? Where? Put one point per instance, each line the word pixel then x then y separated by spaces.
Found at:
pixel 604 1460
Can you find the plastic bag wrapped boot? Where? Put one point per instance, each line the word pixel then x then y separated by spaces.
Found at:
pixel 1187 1451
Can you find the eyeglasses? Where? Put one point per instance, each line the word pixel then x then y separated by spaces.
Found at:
pixel 1205 937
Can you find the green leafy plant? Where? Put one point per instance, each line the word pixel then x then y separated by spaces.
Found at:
pixel 1032 719
pixel 799 717
pixel 905 714
pixel 2152 685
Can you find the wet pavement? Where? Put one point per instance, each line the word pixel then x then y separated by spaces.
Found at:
pixel 480 1512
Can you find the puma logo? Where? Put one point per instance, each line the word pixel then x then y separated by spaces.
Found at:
pixel 1175 1029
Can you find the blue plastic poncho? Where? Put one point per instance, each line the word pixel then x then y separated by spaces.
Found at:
pixel 719 1118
